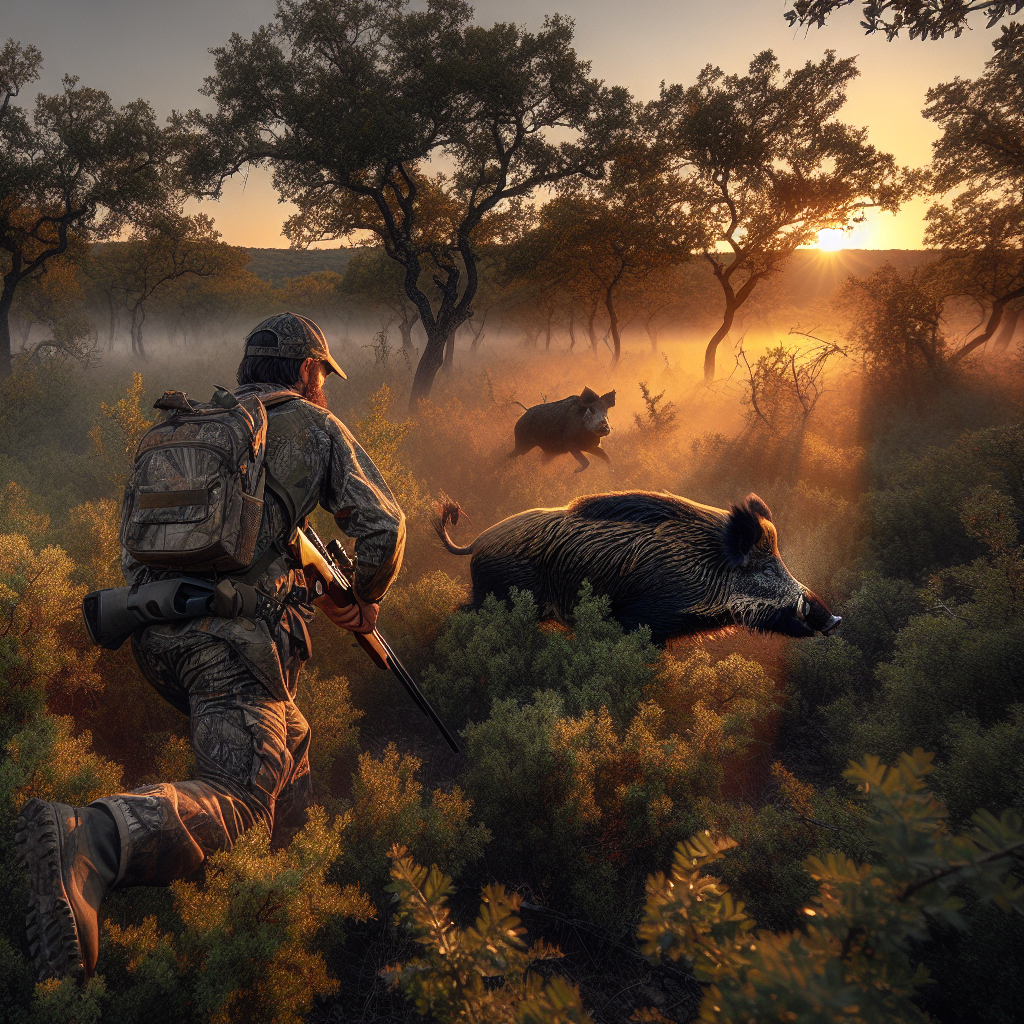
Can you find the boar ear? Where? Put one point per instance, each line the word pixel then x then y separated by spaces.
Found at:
pixel 609 399
pixel 742 532
pixel 758 507
pixel 588 397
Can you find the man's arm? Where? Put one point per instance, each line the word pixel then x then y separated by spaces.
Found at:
pixel 364 508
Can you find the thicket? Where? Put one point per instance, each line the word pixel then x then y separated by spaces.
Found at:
pixel 590 754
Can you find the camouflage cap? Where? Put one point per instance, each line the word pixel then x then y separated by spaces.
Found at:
pixel 298 337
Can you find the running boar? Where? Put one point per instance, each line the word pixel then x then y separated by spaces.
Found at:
pixel 575 425
pixel 665 562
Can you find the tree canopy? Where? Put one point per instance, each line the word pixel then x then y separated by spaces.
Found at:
pixel 773 166
pixel 598 238
pixel 922 19
pixel 350 100
pixel 979 158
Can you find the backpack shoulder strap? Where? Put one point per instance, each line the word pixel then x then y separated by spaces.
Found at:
pixel 278 397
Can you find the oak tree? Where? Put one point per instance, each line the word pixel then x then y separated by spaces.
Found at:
pixel 77 167
pixel 775 166
pixel 596 240
pixel 166 250
pixel 357 104
pixel 979 158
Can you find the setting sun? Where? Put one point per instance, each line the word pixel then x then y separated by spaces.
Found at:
pixel 831 239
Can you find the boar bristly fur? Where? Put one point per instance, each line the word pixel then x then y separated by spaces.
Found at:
pixel 572 425
pixel 672 564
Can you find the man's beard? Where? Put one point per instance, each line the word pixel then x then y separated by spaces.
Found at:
pixel 314 392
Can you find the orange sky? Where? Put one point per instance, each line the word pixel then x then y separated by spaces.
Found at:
pixel 158 49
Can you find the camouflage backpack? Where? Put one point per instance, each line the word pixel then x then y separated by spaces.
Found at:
pixel 194 499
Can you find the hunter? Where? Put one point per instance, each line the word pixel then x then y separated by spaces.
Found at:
pixel 235 677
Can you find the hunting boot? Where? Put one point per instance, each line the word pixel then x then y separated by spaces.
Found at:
pixel 71 855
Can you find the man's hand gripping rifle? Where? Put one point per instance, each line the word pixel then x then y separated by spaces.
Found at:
pixel 328 571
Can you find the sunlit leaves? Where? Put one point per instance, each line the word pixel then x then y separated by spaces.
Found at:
pixel 245 953
pixel 448 980
pixel 851 959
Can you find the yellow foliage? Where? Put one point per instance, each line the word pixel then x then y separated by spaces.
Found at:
pixel 388 809
pixel 49 762
pixel 448 981
pixel 715 703
pixel 40 616
pixel 93 533
pixel 421 610
pixel 175 762
pixel 327 707
pixel 17 514
pixel 120 430
pixel 245 952
pixel 381 438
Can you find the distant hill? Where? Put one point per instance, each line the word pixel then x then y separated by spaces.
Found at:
pixel 277 264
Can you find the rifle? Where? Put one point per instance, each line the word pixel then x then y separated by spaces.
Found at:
pixel 328 570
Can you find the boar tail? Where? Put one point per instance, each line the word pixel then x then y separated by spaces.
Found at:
pixel 447 511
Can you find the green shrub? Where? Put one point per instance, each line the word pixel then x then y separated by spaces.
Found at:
pixel 502 652
pixel 851 962
pixel 960 662
pixel 485 972
pixel 388 807
pixel 245 951
pixel 581 808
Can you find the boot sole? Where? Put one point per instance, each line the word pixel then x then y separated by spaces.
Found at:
pixel 50 921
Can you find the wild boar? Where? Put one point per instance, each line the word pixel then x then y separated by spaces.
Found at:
pixel 575 425
pixel 672 564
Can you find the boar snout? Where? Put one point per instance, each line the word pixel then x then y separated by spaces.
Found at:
pixel 812 610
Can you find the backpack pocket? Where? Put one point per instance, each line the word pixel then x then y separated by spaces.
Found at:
pixel 187 505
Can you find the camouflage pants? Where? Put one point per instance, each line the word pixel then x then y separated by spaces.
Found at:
pixel 252 764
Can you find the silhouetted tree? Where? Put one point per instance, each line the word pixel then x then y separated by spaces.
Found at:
pixel 774 165
pixel 349 99
pixel 980 157
pixel 595 240
pixel 170 248
pixel 78 166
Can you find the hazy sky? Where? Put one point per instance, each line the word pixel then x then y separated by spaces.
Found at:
pixel 157 49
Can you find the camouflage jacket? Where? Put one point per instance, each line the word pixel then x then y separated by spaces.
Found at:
pixel 314 457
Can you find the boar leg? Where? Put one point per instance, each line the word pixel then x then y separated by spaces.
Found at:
pixel 581 459
pixel 520 450
pixel 603 456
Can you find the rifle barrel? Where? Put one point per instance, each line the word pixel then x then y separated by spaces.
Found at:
pixel 412 688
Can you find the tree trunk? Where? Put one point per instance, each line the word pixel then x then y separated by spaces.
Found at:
pixel 449 352
pixel 406 330
pixel 6 301
pixel 1001 342
pixel 652 334
pixel 719 336
pixel 547 333
pixel 138 319
pixel 591 333
pixel 613 321
pixel 430 362
pixel 112 329
pixel 406 323
pixel 994 319
pixel 572 331
pixel 478 334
